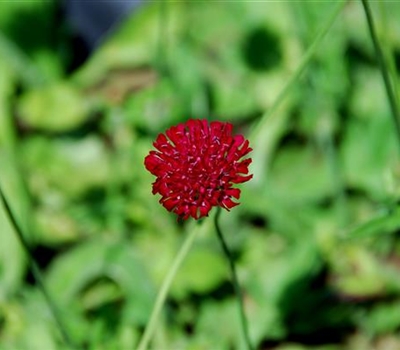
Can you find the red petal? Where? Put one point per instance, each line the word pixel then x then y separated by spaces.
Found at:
pixel 233 192
pixel 170 203
pixel 227 203
pixel 241 179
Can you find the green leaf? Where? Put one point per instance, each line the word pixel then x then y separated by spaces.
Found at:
pixel 55 108
pixel 201 272
pixel 74 272
pixel 7 133
pixel 369 156
pixel 309 182
pixel 384 223
pixel 65 165
pixel 12 258
pixel 383 318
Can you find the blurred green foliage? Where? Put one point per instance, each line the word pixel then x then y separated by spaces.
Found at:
pixel 316 237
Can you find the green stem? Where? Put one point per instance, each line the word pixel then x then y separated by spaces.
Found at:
pixel 386 222
pixel 388 53
pixel 383 67
pixel 235 281
pixel 37 273
pixel 162 294
pixel 336 173
pixel 268 130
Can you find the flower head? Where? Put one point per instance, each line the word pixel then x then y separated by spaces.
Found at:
pixel 196 165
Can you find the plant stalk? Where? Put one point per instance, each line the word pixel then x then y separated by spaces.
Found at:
pixel 269 128
pixel 383 67
pixel 162 294
pixel 235 281
pixel 37 273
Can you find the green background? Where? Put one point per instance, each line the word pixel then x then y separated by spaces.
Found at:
pixel 316 236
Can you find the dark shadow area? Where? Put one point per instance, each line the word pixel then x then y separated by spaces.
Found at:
pixel 356 55
pixel 257 221
pixel 43 256
pixel 79 53
pixel 109 312
pixel 261 49
pixel 397 60
pixel 313 314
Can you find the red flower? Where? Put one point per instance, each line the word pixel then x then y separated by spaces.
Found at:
pixel 196 165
